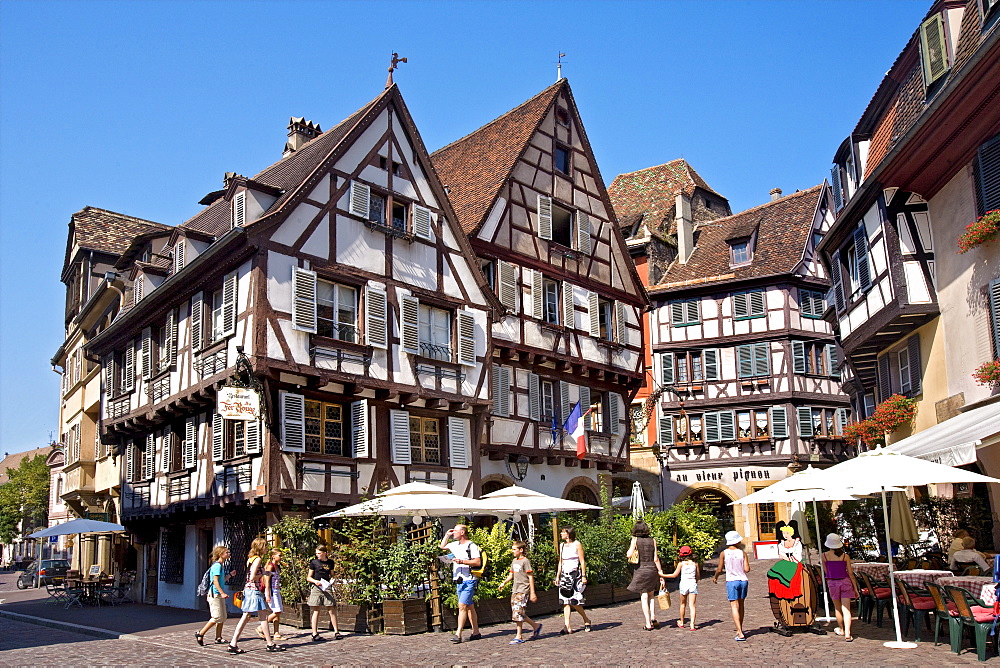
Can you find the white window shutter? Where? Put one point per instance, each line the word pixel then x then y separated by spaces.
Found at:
pixel 466 338
pixel 757 303
pixel 168 451
pixel 692 309
pixel 583 233
pixel 304 300
pixel 172 336
pixel 677 313
pixel 179 255
pixel 544 217
pixel 360 195
pixel 252 432
pixel 218 438
pixel 710 362
pixel 534 397
pixel 421 221
pixel 667 368
pixel 584 405
pixel 564 402
pixel 359 429
pixel 779 422
pixel 109 375
pixel 197 329
pixel 614 412
pixel 508 285
pixel 399 425
pixel 128 372
pixel 376 317
pixel 838 284
pixel 537 298
pixel 459 450
pixel 137 289
pixel 841 420
pixel 147 353
pixel 130 462
pixel 293 422
pixel 798 357
pixel 240 209
pixel 501 391
pixel 190 453
pixel 666 429
pixel 569 306
pixel 621 323
pixel 593 304
pixel 711 427
pixel 229 304
pixel 803 415
pixel 149 457
pixel 727 426
pixel 409 320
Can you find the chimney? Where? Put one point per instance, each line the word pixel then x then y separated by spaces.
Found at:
pixel 685 229
pixel 775 194
pixel 300 131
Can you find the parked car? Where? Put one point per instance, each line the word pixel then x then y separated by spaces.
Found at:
pixel 46 571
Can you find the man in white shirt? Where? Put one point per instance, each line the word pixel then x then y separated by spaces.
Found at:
pixel 969 556
pixel 465 556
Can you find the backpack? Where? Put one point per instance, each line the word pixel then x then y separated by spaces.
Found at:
pixel 206 582
pixel 479 572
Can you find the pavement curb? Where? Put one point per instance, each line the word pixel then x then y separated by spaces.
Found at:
pixel 68 626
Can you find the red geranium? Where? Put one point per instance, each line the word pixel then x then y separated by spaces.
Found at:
pixel 986 228
pixel 888 416
pixel 988 373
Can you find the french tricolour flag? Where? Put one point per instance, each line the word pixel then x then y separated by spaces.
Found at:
pixel 574 426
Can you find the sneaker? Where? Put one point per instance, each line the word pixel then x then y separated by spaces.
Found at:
pixel 516 641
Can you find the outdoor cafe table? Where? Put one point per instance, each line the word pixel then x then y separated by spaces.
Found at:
pixel 875 570
pixel 920 577
pixel 90 588
pixel 981 586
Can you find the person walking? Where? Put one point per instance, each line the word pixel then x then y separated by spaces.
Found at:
pixel 523 590
pixel 321 594
pixel 648 575
pixel 734 561
pixel 690 571
pixel 272 593
pixel 841 583
pixel 216 596
pixel 253 598
pixel 465 556
pixel 571 578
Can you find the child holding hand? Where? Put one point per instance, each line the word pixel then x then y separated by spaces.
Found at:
pixel 690 571
pixel 523 578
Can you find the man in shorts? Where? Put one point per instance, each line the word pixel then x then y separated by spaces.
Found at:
pixel 319 598
pixel 465 556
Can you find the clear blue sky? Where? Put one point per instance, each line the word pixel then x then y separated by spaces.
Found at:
pixel 141 107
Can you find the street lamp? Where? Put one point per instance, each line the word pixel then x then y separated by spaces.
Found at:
pixel 661 458
pixel 521 466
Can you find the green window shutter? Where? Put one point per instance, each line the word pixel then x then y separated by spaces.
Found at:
pixel 762 359
pixel 994 299
pixel 987 177
pixel 757 302
pixel 798 357
pixel 727 426
pixel 861 248
pixel 832 360
pixel 666 430
pixel 933 49
pixel 779 422
pixel 711 425
pixel 710 360
pixel 667 368
pixel 803 415
pixel 838 284
pixel 741 306
pixel 745 362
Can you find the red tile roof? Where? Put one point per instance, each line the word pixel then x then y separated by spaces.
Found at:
pixel 105 231
pixel 651 194
pixel 783 227
pixel 13 461
pixel 475 167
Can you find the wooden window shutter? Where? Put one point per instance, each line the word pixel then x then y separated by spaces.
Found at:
pixel 130 462
pixel 360 196
pixel 399 427
pixel 593 304
pixel 693 310
pixel 252 432
pixel 304 300
pixel 240 209
pixel 884 378
pixel 537 298
pixel 409 320
pixel 994 304
pixel 229 288
pixel 421 221
pixel 137 289
pixel 508 285
pixel 564 403
pixel 128 372
pixel 293 422
pixel 218 438
pixel 666 429
pixel 711 426
pixel 933 49
pixel 168 451
pixel 798 357
pixel 710 362
pixel 501 391
pixel 757 303
pixel 838 284
pixel 109 375
pixel 359 429
pixel 147 352
pixel 149 457
pixel 741 307
pixel 583 233
pixel 837 188
pixel 376 318
pixel 569 306
pixel 190 453
pixel 745 363
pixel 727 426
pixel 584 405
pixel 172 336
pixel 677 313
pixel 986 170
pixel 534 397
pixel 779 422
pixel 667 368
pixel 614 413
pixel 459 450
pixel 841 420
pixel 545 217
pixel 861 249
pixel 197 329
pixel 466 338
pixel 832 361
pixel 803 415
pixel 179 255
pixel 913 346
pixel 762 359
pixel 621 323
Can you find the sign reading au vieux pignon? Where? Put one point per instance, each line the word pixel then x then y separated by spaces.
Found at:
pixel 238 403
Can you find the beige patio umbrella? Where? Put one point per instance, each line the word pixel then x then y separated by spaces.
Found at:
pixel 902 527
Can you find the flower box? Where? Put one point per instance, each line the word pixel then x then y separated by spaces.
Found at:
pixel 405 617
pixel 984 230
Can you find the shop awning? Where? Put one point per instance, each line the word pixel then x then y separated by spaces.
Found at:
pixel 954 441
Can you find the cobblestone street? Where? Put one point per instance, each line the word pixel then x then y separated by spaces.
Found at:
pixel 617 638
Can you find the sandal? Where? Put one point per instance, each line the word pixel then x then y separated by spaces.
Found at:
pixel 849 638
pixel 200 638
pixel 565 631
pixel 537 632
pixel 680 624
pixel 260 633
pixel 318 638
pixel 275 648
pixel 220 641
pixel 337 635
pixel 586 627
pixel 233 649
pixel 656 624
pixel 516 641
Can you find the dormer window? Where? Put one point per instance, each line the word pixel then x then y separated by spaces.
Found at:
pixel 933 50
pixel 240 209
pixel 739 252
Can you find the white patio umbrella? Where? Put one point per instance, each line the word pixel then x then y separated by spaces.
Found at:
pixel 515 499
pixel 79 525
pixel 638 501
pixel 882 469
pixel 417 499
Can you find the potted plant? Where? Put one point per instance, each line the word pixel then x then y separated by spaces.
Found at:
pixel 888 416
pixel 297 539
pixel 405 564
pixel 988 373
pixel 985 229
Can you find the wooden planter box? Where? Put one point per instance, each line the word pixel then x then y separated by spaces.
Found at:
pixel 547 603
pixel 620 594
pixel 405 617
pixel 598 594
pixel 353 618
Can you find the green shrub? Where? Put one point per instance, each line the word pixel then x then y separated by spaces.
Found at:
pixel 297 539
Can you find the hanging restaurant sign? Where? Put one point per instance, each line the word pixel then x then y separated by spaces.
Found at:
pixel 238 403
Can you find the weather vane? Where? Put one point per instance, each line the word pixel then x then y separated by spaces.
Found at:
pixel 559 75
pixel 396 60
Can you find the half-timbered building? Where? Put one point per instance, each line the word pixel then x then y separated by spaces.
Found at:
pixel 338 285
pixel 528 193
pixel 745 369
pixel 913 315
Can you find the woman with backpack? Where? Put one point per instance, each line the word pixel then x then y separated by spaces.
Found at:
pixel 253 598
pixel 215 594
